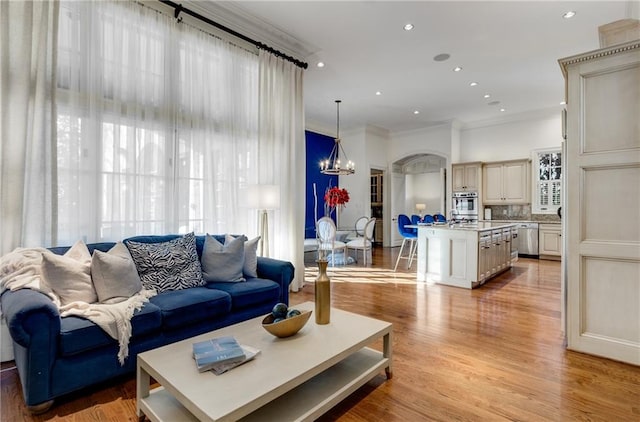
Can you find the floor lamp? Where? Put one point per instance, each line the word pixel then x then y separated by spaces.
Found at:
pixel 264 198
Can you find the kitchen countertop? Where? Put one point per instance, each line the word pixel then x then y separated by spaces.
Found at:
pixel 521 221
pixel 480 226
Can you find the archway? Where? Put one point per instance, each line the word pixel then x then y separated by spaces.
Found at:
pixel 418 178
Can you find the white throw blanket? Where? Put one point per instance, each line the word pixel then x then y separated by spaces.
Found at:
pixel 21 269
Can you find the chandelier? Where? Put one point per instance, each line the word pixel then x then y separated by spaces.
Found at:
pixel 332 165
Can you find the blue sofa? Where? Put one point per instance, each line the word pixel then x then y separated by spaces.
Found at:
pixel 56 356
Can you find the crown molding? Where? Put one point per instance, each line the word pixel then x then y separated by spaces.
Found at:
pixel 596 54
pixel 539 114
pixel 321 128
pixel 234 16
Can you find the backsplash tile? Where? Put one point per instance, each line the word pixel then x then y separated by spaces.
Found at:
pixel 519 213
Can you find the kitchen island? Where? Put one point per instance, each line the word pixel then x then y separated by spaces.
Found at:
pixel 464 255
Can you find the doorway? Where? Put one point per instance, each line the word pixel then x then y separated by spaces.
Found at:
pixel 377 201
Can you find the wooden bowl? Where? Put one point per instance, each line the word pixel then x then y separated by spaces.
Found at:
pixel 286 327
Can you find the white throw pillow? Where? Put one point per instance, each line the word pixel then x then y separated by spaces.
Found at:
pixel 114 274
pixel 69 275
pixel 250 266
pixel 222 262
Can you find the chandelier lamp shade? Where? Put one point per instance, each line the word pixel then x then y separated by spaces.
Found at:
pixel 333 166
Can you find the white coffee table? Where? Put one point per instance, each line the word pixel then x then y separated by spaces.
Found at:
pixel 296 378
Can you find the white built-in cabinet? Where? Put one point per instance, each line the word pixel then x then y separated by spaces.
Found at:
pixel 601 175
pixel 506 182
pixel 466 177
pixel 550 240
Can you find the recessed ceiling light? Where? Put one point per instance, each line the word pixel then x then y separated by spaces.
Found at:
pixel 502 109
pixel 473 84
pixel 320 64
pixel 563 102
pixel 487 95
pixel 457 69
pixel 408 27
pixel 569 14
pixel 416 112
pixel 378 93
pixel 441 57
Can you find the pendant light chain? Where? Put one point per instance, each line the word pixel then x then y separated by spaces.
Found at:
pixel 332 165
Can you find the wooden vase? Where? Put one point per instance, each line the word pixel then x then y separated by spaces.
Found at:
pixel 323 293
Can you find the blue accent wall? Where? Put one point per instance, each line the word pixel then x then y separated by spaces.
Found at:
pixel 318 148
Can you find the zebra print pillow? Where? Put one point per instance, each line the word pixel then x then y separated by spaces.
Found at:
pixel 165 266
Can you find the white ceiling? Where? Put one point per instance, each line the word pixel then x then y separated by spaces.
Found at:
pixel 510 48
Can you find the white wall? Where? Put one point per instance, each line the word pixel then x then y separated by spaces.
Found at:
pixel 367 147
pixel 434 140
pixel 511 140
pixel 425 188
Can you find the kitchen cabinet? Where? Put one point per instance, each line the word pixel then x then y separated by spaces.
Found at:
pixel 506 182
pixel 376 189
pixel 550 240
pixel 377 231
pixel 463 256
pixel 466 177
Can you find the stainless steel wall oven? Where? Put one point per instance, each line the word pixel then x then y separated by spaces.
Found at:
pixel 465 206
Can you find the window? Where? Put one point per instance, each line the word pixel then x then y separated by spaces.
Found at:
pixel 548 181
pixel 157 125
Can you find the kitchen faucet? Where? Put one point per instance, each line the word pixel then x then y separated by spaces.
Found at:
pixel 454 212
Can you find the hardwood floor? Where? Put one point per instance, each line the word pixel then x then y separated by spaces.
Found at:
pixel 493 353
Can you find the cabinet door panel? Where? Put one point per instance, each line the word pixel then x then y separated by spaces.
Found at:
pixel 471 178
pixel 458 178
pixel 515 182
pixel 492 179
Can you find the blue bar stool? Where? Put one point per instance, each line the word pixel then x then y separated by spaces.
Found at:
pixel 440 218
pixel 407 235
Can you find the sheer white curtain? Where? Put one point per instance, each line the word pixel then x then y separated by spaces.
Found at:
pixel 157 125
pixel 28 32
pixel 282 155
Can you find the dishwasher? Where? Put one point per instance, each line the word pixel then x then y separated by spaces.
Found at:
pixel 528 239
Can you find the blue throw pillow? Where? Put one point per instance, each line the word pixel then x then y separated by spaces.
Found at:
pixel 222 262
pixel 165 266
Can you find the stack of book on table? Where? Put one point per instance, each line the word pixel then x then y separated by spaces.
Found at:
pixel 221 354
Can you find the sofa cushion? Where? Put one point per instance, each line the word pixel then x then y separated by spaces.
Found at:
pixel 79 334
pixel 223 262
pixel 164 266
pixel 114 274
pixel 252 292
pixel 69 275
pixel 250 266
pixel 188 306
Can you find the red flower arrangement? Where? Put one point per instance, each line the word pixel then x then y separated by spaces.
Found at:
pixel 335 198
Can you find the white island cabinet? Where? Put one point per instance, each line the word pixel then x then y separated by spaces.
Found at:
pixel 463 255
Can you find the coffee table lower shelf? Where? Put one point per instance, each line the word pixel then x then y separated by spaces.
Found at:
pixel 305 402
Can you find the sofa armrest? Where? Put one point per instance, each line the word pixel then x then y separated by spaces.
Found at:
pixel 34 323
pixel 281 272
pixel 29 314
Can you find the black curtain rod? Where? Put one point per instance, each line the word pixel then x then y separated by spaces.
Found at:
pixel 180 9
